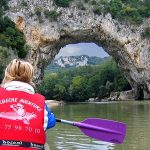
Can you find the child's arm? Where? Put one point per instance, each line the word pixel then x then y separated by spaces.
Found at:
pixel 49 118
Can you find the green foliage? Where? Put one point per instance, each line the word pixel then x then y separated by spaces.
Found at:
pixel 80 5
pixel 115 8
pixel 102 92
pixel 97 9
pixel 51 15
pixel 86 1
pixel 38 11
pixel 10 36
pixel 3 61
pixel 146 33
pixel 62 3
pixel 59 91
pixel 50 80
pixel 24 3
pixel 133 11
pixel 4 4
pixel 81 83
pixel 78 88
pixel 131 14
pixel 93 2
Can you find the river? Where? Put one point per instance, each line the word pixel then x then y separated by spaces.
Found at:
pixel 136 114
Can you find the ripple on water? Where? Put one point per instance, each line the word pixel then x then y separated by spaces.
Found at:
pixel 69 138
pixel 136 114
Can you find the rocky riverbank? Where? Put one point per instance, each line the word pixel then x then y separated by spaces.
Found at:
pixel 54 103
pixel 115 96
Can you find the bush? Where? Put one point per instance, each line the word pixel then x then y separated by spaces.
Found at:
pixel 24 3
pixel 86 1
pixel 131 14
pixel 51 15
pixel 132 11
pixel 115 8
pixel 80 5
pixel 62 3
pixel 37 11
pixel 4 4
pixel 97 10
pixel 93 2
pixel 146 33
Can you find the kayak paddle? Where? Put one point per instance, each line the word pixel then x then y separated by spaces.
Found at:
pixel 100 129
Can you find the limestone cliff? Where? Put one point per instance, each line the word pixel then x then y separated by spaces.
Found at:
pixel 122 41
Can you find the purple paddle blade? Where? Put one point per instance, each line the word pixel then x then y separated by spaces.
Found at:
pixel 101 129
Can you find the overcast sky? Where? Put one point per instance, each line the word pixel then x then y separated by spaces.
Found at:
pixel 89 49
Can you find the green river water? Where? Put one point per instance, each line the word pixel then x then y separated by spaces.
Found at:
pixel 136 114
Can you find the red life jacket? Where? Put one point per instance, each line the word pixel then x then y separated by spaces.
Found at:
pixel 21 119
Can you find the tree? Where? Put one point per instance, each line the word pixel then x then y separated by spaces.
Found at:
pixel 59 92
pixel 102 92
pixel 78 88
pixel 47 88
pixel 81 83
pixel 109 87
pixel 93 85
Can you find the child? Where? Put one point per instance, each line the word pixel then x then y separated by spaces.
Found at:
pixel 24 115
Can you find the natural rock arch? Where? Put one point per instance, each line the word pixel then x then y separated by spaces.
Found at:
pixel 123 42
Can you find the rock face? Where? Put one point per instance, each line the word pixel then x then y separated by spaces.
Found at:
pixel 121 41
pixel 75 61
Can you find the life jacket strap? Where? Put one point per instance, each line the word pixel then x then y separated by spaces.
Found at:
pixel 22 144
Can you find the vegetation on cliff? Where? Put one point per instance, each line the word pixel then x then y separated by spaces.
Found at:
pixel 129 11
pixel 51 15
pixel 62 3
pixel 146 33
pixel 132 11
pixel 81 83
pixel 10 36
pixel 3 60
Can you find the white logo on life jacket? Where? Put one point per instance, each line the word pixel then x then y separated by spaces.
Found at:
pixel 19 113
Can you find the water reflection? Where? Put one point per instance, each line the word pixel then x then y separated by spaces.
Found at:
pixel 71 138
pixel 135 114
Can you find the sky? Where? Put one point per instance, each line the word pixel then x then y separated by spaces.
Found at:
pixel 89 49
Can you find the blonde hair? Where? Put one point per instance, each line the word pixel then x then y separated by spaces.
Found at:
pixel 19 70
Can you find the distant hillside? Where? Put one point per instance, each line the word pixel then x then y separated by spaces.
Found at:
pixel 74 61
